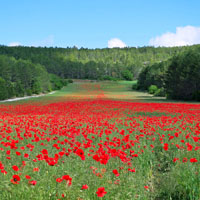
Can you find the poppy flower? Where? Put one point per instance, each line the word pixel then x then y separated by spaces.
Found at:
pixel 33 182
pixel 84 187
pixel 26 155
pixel 192 160
pixel 101 192
pixel 115 172
pixel 15 179
pixel 175 159
pixel 165 147
pixel 27 177
pixel 15 168
pixel 59 180
pixel 184 160
pixel 131 170
pixel 18 153
pixel 36 169
pixel 146 187
pixel 68 179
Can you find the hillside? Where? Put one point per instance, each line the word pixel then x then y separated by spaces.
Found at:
pixel 92 63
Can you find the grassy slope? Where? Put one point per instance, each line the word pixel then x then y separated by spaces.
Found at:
pixel 83 89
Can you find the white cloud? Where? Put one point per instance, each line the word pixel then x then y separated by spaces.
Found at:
pixel 47 42
pixel 14 44
pixel 115 42
pixel 187 35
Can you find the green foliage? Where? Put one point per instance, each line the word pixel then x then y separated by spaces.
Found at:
pixel 160 92
pixel 56 82
pixel 127 75
pixel 22 77
pixel 152 89
pixel 3 89
pixel 36 88
pixel 153 75
pixel 19 89
pixel 182 79
pixel 73 63
pixel 163 67
pixel 135 86
pixel 70 81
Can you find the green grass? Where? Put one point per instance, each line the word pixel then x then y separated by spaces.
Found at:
pixel 115 90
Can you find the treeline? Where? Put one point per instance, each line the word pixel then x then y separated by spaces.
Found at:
pixel 22 77
pixel 177 78
pixel 102 64
pixel 161 71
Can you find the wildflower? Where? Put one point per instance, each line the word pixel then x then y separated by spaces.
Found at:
pixel 33 182
pixel 15 168
pixel 27 177
pixel 192 160
pixel 84 187
pixel 146 187
pixel 115 172
pixel 59 180
pixel 101 192
pixel 36 169
pixel 15 179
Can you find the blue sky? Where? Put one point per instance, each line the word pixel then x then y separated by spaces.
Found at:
pixel 92 23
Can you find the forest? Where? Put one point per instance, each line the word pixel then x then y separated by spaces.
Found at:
pixel 32 70
pixel 22 77
pixel 176 78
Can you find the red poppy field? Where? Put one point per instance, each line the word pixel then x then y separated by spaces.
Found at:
pixel 98 148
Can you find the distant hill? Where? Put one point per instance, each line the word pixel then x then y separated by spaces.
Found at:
pixel 31 70
pixel 92 63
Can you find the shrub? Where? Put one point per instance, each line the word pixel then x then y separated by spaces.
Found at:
pixel 160 92
pixel 135 86
pixel 29 92
pixel 107 78
pixel 152 89
pixel 127 75
pixel 70 81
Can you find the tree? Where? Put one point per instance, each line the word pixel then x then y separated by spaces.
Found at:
pixel 3 89
pixel 182 79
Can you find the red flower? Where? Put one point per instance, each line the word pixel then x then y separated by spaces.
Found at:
pixel 80 153
pixel 27 177
pixel 115 172
pixel 15 179
pixel 184 160
pixel 131 170
pixel 68 179
pixel 26 155
pixel 8 152
pixel 192 160
pixel 175 159
pixel 101 192
pixel 146 187
pixel 33 182
pixel 15 168
pixel 44 151
pixel 18 153
pixel 165 147
pixel 84 187
pixel 59 180
pixel 96 157
pixel 36 169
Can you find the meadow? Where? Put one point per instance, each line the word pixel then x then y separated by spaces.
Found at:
pixel 99 140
